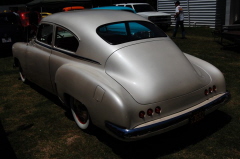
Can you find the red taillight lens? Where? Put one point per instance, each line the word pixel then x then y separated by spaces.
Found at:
pixel 210 89
pixel 206 92
pixel 214 88
pixel 24 19
pixel 22 16
pixel 141 114
pixel 149 112
pixel 158 110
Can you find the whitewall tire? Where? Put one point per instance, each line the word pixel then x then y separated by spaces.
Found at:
pixel 80 114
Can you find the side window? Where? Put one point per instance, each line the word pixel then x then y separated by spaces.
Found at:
pixel 45 33
pixel 66 40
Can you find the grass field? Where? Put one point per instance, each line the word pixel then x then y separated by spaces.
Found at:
pixel 36 126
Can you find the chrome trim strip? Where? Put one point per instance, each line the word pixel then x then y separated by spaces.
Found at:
pixel 69 54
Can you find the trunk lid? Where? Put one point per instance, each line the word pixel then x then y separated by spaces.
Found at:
pixel 155 71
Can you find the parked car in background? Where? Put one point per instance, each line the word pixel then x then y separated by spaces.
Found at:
pixel 163 20
pixel 29 22
pixel 73 8
pixel 44 14
pixel 29 17
pixel 119 72
pixel 117 8
pixel 11 30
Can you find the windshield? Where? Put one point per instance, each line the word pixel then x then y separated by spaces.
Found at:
pixel 144 8
pixel 118 33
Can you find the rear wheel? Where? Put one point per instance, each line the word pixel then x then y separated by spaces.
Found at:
pixel 80 114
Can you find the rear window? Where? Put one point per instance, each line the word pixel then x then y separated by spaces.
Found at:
pixel 118 33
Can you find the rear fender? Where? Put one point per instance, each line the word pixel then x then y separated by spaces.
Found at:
pixel 101 95
pixel 215 74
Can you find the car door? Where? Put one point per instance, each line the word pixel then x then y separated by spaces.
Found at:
pixel 37 57
pixel 65 44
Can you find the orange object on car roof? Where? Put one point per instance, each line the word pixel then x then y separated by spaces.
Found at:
pixel 73 8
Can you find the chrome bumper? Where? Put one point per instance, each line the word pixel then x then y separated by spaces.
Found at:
pixel 167 123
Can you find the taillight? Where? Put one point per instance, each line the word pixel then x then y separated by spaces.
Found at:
pixel 206 92
pixel 141 114
pixel 210 89
pixel 214 88
pixel 150 112
pixel 158 110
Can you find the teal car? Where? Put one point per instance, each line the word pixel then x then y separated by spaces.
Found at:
pixel 117 8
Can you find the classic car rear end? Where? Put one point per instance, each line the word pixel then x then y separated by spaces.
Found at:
pixel 170 90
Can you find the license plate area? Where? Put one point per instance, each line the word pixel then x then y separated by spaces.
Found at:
pixel 197 116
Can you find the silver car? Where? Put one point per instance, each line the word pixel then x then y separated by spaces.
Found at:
pixel 119 72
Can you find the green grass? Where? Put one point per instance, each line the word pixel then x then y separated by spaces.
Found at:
pixel 37 126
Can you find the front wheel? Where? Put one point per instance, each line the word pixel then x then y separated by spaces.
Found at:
pixel 80 114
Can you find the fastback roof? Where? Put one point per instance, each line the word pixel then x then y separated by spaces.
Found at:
pixel 83 24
